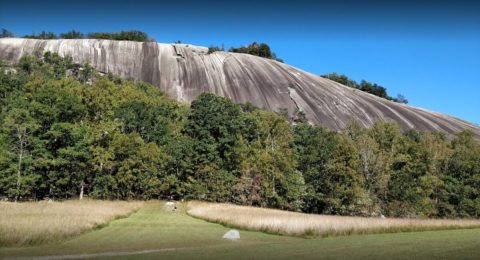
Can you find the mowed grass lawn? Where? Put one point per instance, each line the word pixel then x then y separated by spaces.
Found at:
pixel 153 233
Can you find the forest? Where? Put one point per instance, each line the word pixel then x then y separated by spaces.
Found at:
pixel 67 131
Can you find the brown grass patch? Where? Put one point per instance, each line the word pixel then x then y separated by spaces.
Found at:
pixel 31 223
pixel 300 224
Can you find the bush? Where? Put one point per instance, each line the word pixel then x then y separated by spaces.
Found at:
pixel 214 48
pixel 43 36
pixel 72 35
pixel 257 49
pixel 365 86
pixel 6 33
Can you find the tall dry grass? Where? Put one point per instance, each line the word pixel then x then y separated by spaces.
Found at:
pixel 32 223
pixel 300 224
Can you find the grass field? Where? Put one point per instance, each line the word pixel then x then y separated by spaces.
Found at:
pixel 156 233
pixel 35 223
pixel 300 224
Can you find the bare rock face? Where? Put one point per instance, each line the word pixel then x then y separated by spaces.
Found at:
pixel 185 71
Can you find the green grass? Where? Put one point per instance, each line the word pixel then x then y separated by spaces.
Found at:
pixel 152 228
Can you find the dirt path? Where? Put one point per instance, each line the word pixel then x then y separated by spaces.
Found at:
pixel 106 254
pixel 114 254
pixel 95 255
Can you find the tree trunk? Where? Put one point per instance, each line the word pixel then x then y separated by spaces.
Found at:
pixel 81 191
pixel 19 170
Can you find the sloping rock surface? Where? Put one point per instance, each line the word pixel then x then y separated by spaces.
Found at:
pixel 185 71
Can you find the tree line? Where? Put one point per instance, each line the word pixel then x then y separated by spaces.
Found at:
pixel 68 132
pixel 131 35
pixel 372 88
pixel 258 49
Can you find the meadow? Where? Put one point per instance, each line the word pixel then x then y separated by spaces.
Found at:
pixel 156 231
pixel 30 223
pixel 301 224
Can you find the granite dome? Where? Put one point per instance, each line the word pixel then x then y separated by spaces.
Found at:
pixel 185 71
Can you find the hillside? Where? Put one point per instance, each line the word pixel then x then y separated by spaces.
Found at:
pixel 185 71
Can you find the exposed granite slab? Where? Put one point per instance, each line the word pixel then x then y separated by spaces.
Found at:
pixel 185 71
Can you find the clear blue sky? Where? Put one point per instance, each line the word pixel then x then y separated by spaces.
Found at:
pixel 429 51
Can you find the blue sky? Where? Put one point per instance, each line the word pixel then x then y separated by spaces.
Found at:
pixel 428 51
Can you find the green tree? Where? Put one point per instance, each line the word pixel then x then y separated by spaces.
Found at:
pixel 19 126
pixel 72 160
pixel 73 34
pixel 6 33
pixel 464 173
pixel 215 122
pixel 342 79
pixel 268 163
pixel 257 49
pixel 121 36
pixel 42 35
pixel 331 163
pixel 374 88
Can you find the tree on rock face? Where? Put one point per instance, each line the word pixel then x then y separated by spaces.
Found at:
pixel 6 33
pixel 401 99
pixel 374 89
pixel 73 34
pixel 340 78
pixel 121 36
pixel 42 35
pixel 257 49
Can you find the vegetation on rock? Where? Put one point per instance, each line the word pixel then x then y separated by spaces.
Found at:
pixel 6 33
pixel 372 88
pixel 132 35
pixel 257 49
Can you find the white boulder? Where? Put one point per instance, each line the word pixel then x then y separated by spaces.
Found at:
pixel 232 235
